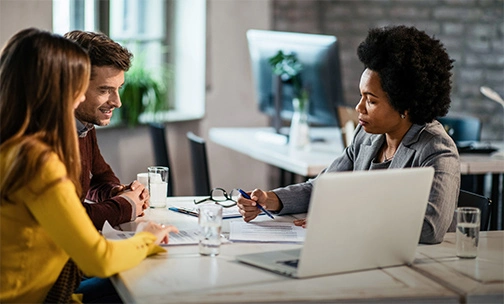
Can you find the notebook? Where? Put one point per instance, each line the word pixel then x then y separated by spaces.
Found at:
pixel 356 221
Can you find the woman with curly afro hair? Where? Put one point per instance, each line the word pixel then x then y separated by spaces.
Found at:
pixel 405 85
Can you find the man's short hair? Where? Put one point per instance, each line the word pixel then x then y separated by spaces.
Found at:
pixel 102 50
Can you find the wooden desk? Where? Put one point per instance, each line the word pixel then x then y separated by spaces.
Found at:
pixel 309 163
pixel 183 276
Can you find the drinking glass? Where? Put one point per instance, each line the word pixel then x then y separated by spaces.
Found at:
pixel 210 223
pixel 468 227
pixel 158 186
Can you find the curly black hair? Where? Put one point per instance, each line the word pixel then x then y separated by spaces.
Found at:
pixel 414 70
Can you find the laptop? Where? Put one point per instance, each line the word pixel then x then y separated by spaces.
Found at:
pixel 356 221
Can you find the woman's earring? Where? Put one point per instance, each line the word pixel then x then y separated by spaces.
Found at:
pixel 403 116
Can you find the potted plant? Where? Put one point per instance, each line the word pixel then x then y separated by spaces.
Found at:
pixel 143 92
pixel 288 69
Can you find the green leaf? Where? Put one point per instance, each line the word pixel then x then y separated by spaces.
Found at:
pixel 288 68
pixel 143 91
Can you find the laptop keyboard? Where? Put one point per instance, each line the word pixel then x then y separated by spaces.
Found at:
pixel 291 263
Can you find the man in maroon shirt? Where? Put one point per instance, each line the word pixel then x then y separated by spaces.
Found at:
pixel 114 202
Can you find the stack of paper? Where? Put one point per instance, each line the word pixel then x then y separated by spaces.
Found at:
pixel 268 231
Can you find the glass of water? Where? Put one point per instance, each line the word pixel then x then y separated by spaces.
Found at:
pixel 468 227
pixel 158 185
pixel 210 223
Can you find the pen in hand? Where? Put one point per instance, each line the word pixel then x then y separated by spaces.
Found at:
pixel 245 195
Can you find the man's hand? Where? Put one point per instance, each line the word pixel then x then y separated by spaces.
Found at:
pixel 136 192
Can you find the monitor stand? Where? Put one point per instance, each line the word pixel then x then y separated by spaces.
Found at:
pixel 277 118
pixel 277 137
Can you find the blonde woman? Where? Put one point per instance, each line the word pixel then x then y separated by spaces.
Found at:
pixel 46 237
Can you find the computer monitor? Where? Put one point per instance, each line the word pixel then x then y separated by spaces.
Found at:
pixel 320 75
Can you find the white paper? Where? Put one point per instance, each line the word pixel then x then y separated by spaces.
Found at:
pixel 268 231
pixel 184 237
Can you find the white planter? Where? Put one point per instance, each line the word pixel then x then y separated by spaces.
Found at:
pixel 299 135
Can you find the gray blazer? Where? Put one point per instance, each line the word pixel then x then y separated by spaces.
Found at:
pixel 422 146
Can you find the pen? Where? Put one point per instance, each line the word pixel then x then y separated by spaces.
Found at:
pixel 182 210
pixel 245 195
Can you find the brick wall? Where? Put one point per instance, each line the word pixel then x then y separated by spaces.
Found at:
pixel 471 30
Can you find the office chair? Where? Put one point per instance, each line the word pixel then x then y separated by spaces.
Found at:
pixel 464 130
pixel 201 176
pixel 160 148
pixel 469 199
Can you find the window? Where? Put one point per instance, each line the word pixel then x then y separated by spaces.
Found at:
pixel 140 26
pixel 80 15
pixel 158 33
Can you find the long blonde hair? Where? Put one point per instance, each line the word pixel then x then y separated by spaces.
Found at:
pixel 41 76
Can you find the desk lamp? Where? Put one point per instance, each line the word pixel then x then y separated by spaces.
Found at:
pixel 491 94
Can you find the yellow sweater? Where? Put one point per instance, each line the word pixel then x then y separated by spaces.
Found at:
pixel 45 226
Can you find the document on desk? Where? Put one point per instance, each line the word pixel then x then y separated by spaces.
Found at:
pixel 232 212
pixel 184 237
pixel 268 231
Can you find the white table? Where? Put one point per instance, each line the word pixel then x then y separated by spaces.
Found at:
pixel 309 163
pixel 479 280
pixel 481 164
pixel 183 276
pixel 253 143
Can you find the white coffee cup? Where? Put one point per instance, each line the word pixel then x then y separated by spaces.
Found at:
pixel 143 178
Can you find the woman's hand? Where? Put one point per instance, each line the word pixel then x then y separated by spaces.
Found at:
pixel 300 222
pixel 248 207
pixel 161 232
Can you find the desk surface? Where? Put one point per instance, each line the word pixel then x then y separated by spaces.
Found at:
pixel 183 276
pixel 253 143
pixel 481 280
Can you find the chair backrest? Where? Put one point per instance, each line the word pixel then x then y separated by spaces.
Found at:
pixel 161 152
pixel 463 128
pixel 470 199
pixel 200 172
pixel 348 120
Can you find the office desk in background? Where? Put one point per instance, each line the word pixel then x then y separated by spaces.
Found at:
pixel 305 163
pixel 183 276
pixel 483 164
pixel 321 154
